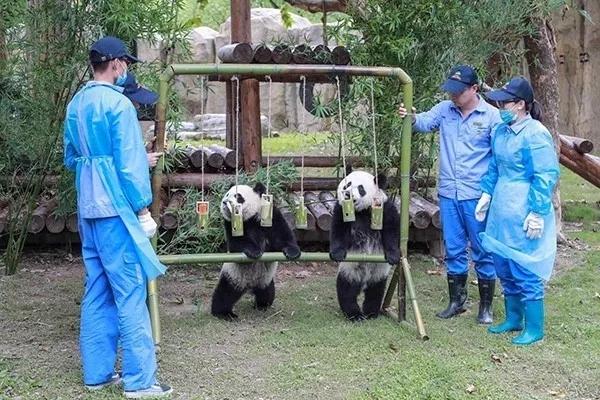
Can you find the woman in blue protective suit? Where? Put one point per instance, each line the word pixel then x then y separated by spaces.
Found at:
pixel 517 197
pixel 103 144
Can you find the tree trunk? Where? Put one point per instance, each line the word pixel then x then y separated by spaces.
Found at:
pixel 544 79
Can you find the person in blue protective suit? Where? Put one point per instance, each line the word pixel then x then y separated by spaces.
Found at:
pixel 103 144
pixel 517 197
pixel 143 99
pixel 465 123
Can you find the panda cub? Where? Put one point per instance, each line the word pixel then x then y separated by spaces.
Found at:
pixel 358 237
pixel 257 277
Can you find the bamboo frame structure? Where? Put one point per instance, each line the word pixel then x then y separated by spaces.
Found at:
pixel 401 276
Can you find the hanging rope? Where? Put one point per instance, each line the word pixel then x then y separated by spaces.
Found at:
pixel 269 132
pixel 237 131
pixel 374 132
pixel 341 122
pixel 303 132
pixel 202 131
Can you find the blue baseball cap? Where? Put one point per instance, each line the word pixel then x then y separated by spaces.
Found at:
pixel 108 48
pixel 518 88
pixel 460 78
pixel 136 92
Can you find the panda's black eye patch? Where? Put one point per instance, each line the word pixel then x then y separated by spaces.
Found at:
pixel 240 199
pixel 347 185
pixel 361 191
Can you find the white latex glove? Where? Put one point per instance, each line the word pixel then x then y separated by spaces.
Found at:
pixel 534 226
pixel 148 224
pixel 482 206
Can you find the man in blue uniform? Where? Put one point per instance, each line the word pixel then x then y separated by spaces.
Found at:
pixel 103 144
pixel 465 123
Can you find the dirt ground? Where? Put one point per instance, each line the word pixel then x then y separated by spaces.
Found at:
pixel 39 316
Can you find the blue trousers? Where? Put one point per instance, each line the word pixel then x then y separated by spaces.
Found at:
pixel 114 307
pixel 459 228
pixel 518 281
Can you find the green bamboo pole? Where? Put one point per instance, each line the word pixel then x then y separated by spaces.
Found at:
pixel 266 257
pixel 220 70
pixel 407 91
pixel 157 174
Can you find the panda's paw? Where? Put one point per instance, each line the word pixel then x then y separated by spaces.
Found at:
pixel 393 257
pixel 227 316
pixel 357 318
pixel 253 253
pixel 337 255
pixel 291 252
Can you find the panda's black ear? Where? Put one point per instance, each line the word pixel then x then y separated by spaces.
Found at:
pixel 260 188
pixel 348 168
pixel 382 181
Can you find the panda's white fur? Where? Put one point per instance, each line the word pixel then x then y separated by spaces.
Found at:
pixel 256 277
pixel 352 182
pixel 364 273
pixel 239 274
pixel 369 242
pixel 244 276
pixel 358 237
pixel 250 203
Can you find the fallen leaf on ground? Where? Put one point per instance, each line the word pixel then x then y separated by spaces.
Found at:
pixel 496 358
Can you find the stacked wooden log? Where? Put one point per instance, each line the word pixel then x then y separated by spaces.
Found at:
pixel 574 154
pixel 320 205
pixel 245 53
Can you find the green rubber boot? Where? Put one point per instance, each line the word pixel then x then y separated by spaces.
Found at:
pixel 534 324
pixel 514 316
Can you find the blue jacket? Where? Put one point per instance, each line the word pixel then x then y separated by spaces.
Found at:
pixel 521 179
pixel 465 147
pixel 112 130
pixel 103 144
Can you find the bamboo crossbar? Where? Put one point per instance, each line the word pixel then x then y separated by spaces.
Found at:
pixel 211 258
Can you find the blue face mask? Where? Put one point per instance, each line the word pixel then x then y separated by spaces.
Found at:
pixel 121 78
pixel 508 116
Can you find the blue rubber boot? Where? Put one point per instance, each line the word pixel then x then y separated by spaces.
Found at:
pixel 534 324
pixel 513 320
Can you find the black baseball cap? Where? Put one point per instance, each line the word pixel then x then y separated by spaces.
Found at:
pixel 460 78
pixel 136 92
pixel 518 88
pixel 108 48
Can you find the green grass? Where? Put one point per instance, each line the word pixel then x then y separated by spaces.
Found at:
pixel 287 144
pixel 303 348
pixel 580 200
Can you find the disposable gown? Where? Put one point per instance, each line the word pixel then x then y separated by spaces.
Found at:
pixel 103 144
pixel 521 178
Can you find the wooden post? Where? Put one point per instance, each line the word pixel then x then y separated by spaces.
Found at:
pixel 250 138
pixel 262 54
pixel 227 154
pixel 250 134
pixel 322 215
pixel 240 53
pixel 72 223
pixel 169 218
pixel 580 144
pixel 281 54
